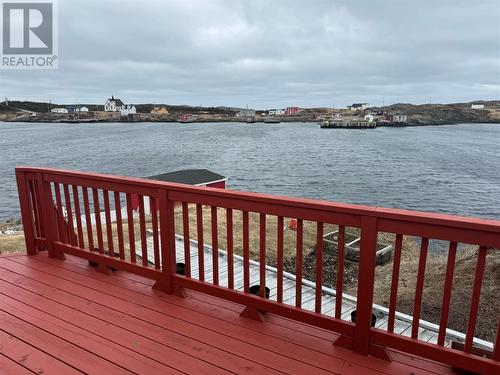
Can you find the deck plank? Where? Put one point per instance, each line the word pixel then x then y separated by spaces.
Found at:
pixel 65 351
pixel 10 367
pixel 99 321
pixel 313 338
pixel 187 322
pixel 28 358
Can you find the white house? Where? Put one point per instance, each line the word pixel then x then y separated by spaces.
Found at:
pixel 113 105
pixel 399 117
pixel 477 106
pixel 59 110
pixel 370 117
pixel 276 112
pixel 358 106
pixel 83 109
pixel 248 112
pixel 128 110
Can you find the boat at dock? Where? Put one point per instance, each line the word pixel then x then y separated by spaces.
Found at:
pixel 339 124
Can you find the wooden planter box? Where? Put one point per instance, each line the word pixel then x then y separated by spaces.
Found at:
pixel 352 244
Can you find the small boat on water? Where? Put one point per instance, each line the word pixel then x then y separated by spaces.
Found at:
pixel 250 119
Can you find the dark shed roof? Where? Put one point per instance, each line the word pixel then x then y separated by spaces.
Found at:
pixel 189 176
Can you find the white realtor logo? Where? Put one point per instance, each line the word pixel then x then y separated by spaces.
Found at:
pixel 29 34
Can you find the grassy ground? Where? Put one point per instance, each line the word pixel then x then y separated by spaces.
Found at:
pixel 434 277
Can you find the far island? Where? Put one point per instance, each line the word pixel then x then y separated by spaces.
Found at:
pixel 115 110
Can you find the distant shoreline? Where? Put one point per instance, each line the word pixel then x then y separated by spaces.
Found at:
pixel 222 121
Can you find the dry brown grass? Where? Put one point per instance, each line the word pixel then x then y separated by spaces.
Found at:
pixel 289 236
pixel 465 267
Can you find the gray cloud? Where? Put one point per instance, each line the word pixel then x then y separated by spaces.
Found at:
pixel 268 54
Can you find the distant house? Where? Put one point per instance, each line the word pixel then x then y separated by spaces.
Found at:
pixel 358 106
pixel 396 118
pixel 72 108
pixel 477 106
pixel 159 111
pixel 59 110
pixel 292 110
pixel 276 112
pixel 126 110
pixel 247 112
pixel 113 105
pixel 76 108
pixel 370 117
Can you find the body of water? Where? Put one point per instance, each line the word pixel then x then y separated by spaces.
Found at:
pixel 451 169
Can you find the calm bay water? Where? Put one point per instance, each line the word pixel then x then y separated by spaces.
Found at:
pixel 451 169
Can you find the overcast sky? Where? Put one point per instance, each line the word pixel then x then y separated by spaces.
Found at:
pixel 268 54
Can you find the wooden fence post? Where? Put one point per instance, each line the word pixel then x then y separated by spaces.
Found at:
pixel 167 248
pixel 366 278
pixel 26 213
pixel 49 216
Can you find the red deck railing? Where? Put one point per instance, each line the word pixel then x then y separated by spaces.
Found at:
pixel 59 232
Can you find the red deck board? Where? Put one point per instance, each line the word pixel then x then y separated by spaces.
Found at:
pixel 283 328
pixel 177 319
pixel 28 358
pixel 10 367
pixel 66 314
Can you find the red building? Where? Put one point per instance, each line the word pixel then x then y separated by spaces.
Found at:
pixel 292 110
pixel 196 177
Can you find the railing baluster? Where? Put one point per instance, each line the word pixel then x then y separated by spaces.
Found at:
pixel 340 271
pixel 98 224
pixel 119 225
pixel 201 250
pixel 298 272
pixel 33 208
pixel 187 243
pixel 142 225
pixel 156 239
pixel 131 228
pixel 279 257
pixel 476 294
pixel 215 246
pixel 262 255
pixel 419 288
pixel 60 216
pixel 69 210
pixel 319 266
pixel 78 215
pixel 39 211
pixel 88 220
pixel 246 253
pixel 394 283
pixel 109 228
pixel 230 250
pixel 445 306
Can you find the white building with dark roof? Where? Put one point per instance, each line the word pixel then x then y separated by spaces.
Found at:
pixel 113 105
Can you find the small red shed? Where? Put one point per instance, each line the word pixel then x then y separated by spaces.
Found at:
pixel 196 177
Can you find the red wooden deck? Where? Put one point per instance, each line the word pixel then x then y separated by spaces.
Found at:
pixel 61 316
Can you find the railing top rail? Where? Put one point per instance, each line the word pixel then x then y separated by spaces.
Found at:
pixel 459 222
